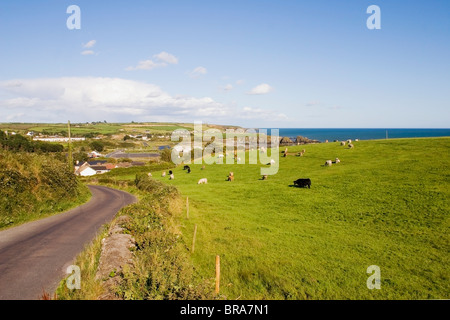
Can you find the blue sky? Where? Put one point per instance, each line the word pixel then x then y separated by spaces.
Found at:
pixel 250 63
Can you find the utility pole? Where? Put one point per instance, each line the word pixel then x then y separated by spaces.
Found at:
pixel 70 149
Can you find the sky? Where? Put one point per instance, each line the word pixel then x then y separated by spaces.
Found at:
pixel 252 63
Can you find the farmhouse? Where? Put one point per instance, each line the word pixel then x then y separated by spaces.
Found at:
pixel 57 139
pixel 85 170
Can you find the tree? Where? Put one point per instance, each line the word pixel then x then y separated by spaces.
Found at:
pixel 97 146
pixel 166 155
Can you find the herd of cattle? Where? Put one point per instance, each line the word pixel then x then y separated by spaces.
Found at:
pixel 301 183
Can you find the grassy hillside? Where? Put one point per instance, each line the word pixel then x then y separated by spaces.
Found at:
pixel 33 186
pixel 385 204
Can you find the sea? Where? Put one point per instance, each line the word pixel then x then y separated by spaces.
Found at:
pixel 361 134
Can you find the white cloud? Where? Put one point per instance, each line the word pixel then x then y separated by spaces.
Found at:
pixel 261 89
pixel 90 44
pixel 115 99
pixel 262 114
pixel 146 65
pixel 227 87
pixel 162 60
pixel 87 52
pixel 166 57
pixel 197 72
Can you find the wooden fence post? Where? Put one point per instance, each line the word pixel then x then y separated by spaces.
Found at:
pixel 193 239
pixel 217 274
pixel 187 207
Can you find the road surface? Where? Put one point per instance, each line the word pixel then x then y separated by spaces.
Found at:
pixel 34 256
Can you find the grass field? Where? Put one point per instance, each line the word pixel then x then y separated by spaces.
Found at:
pixel 385 204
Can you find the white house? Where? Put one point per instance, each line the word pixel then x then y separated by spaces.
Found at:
pixel 85 171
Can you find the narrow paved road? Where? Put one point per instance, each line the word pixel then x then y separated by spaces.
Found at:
pixel 34 256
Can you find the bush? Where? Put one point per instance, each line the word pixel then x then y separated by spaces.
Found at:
pixel 97 146
pixel 33 183
pixel 166 155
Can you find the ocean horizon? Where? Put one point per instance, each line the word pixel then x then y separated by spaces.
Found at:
pixel 331 134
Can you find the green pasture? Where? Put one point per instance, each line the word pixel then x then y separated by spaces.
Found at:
pixel 385 204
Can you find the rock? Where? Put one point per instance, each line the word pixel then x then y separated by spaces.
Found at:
pixel 114 256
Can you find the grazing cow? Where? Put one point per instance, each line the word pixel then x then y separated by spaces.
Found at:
pixel 189 170
pixel 350 146
pixel 342 143
pixel 186 167
pixel 203 181
pixel 163 174
pixel 171 177
pixel 328 163
pixel 303 183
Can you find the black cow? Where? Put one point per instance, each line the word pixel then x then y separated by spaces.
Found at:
pixel 303 183
pixel 186 167
pixel 170 172
pixel 189 170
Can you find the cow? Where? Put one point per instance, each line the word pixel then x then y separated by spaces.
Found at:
pixel 264 177
pixel 303 183
pixel 186 167
pixel 230 177
pixel 171 177
pixel 170 172
pixel 203 181
pixel 189 170
pixel 328 163
pixel 337 160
